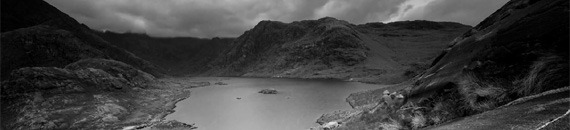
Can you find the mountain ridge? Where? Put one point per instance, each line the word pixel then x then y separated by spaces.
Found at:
pixel 179 56
pixel 25 31
pixel 334 48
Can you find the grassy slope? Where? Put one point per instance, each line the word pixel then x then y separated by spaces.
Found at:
pixel 537 112
pixel 520 50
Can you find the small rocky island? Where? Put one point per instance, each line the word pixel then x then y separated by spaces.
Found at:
pixel 268 91
pixel 220 83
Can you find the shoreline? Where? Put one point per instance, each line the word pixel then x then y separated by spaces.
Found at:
pixel 172 105
pixel 296 78
pixel 181 85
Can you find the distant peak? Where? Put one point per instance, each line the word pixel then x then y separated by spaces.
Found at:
pixel 328 19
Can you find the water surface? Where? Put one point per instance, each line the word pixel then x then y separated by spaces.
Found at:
pixel 296 107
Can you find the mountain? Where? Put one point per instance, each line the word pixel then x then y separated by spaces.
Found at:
pixel 179 56
pixel 508 72
pixel 58 74
pixel 331 48
pixel 35 34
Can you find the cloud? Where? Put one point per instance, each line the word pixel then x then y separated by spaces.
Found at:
pixel 230 18
pixel 360 11
pixel 469 12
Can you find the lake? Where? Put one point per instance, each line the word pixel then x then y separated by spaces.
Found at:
pixel 296 107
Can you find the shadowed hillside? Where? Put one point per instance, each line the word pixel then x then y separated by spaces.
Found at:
pixel 179 56
pixel 331 48
pixel 518 52
pixel 57 74
pixel 35 33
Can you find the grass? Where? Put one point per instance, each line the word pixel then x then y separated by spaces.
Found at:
pixel 549 72
pixel 391 125
pixel 418 121
pixel 481 95
pixel 527 98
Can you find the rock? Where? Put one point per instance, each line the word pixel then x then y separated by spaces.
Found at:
pixel 173 125
pixel 110 118
pixel 115 69
pixel 337 116
pixel 332 124
pixel 111 109
pixel 268 91
pixel 328 126
pixel 220 83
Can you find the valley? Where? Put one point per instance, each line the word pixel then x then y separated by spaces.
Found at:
pixel 510 71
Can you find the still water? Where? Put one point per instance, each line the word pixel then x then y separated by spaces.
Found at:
pixel 238 106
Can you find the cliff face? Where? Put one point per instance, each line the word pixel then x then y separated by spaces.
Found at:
pixel 35 33
pixel 331 48
pixel 179 56
pixel 521 50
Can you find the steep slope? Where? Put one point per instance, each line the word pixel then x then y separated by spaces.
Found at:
pixel 520 50
pixel 57 74
pixel 331 48
pixel 35 33
pixel 179 56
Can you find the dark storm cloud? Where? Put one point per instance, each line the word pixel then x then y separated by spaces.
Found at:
pixel 230 18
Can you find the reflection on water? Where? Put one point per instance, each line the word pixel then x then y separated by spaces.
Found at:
pixel 296 107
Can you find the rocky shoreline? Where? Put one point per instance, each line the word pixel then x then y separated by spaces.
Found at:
pixel 111 96
pixel 159 122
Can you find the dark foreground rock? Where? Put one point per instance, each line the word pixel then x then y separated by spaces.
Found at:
pixel 89 94
pixel 268 91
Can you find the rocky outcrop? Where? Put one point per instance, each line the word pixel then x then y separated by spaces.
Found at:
pixel 331 48
pixel 268 91
pixel 37 91
pixel 115 69
pixel 36 34
pixel 520 50
pixel 89 94
pixel 220 83
pixel 76 77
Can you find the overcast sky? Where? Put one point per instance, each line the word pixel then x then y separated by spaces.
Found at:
pixel 230 18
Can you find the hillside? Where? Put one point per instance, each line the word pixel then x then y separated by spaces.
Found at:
pixel 179 56
pixel 331 48
pixel 508 72
pixel 57 74
pixel 35 33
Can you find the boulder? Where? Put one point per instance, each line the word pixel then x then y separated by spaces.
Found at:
pixel 268 91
